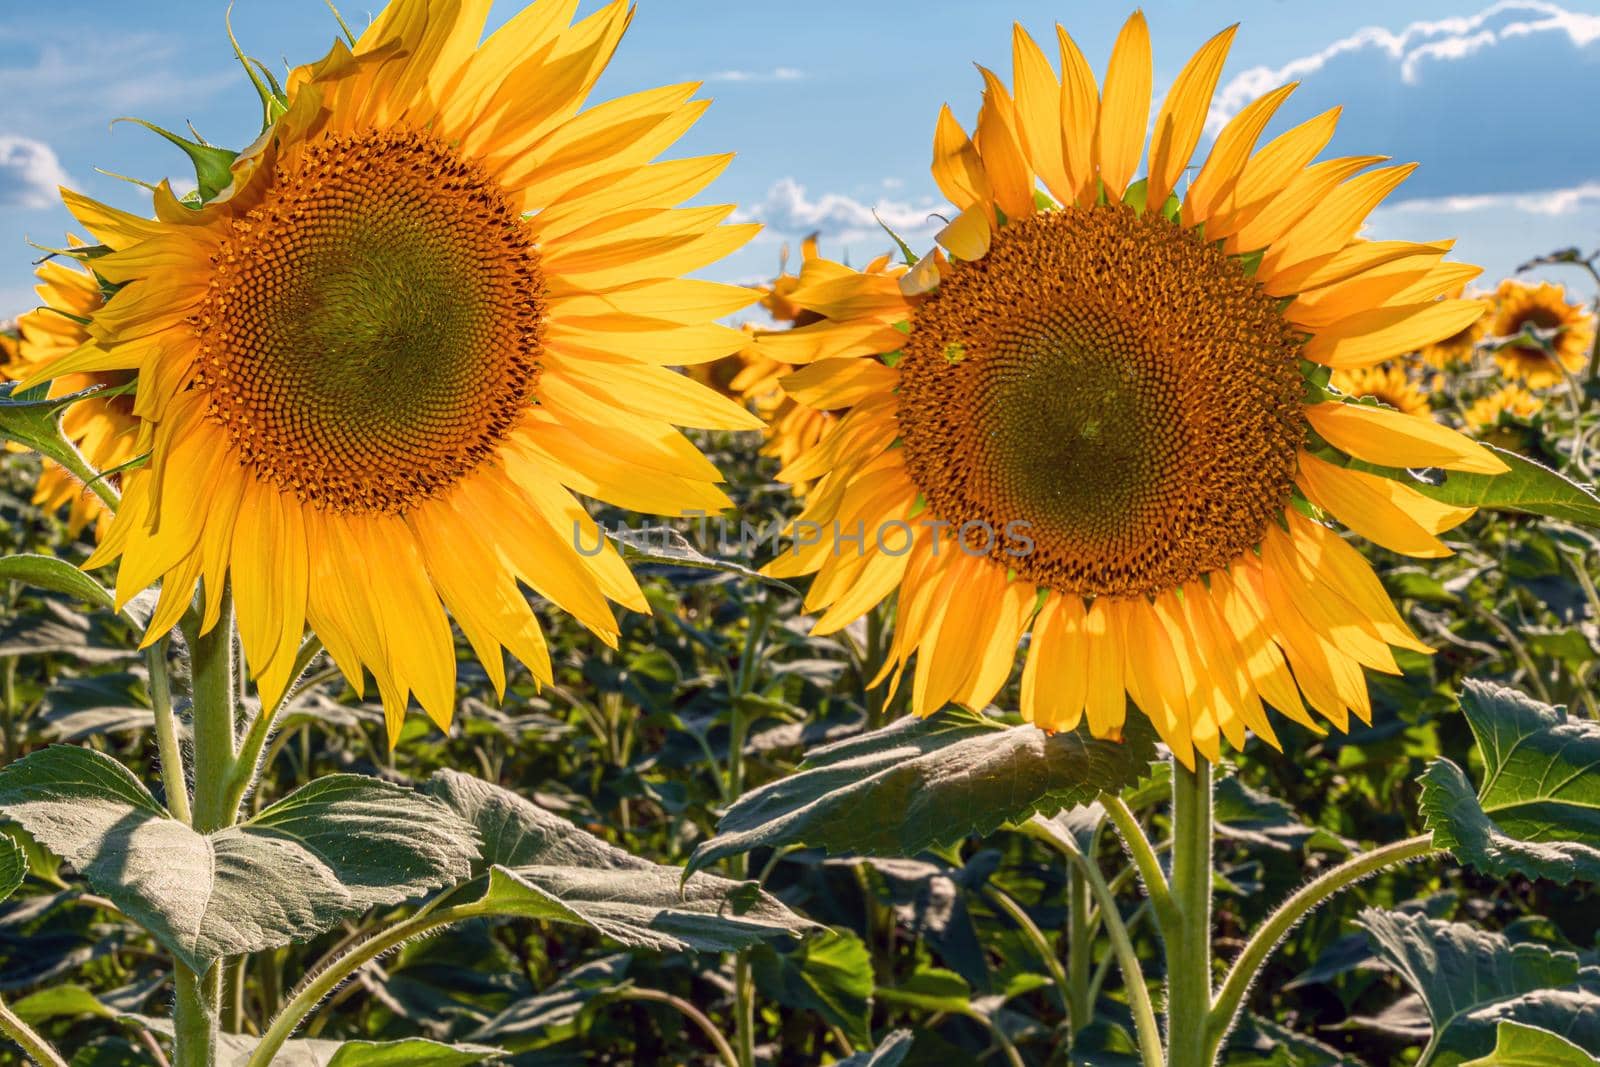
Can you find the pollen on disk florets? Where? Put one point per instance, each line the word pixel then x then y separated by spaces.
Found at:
pixel 1123 388
pixel 373 327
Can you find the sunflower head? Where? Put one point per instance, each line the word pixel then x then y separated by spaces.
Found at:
pixel 103 425
pixel 1509 406
pixel 1539 338
pixel 1099 411
pixel 438 296
pixel 1388 383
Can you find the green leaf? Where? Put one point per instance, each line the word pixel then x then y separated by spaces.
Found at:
pixel 663 544
pixel 1471 979
pixel 33 420
pixel 891 1051
pixel 922 783
pixel 1538 810
pixel 1527 487
pixel 56 575
pixel 324 853
pixel 13 865
pixel 61 1000
pixel 213 166
pixel 830 975
pixel 1517 1045
pixel 930 989
pixel 544 867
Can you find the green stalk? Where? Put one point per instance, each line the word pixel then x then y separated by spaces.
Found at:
pixel 28 1039
pixel 1080 945
pixel 1189 946
pixel 725 1052
pixel 172 779
pixel 744 995
pixel 198 997
pixel 1035 937
pixel 1148 1034
pixel 1144 858
pixel 1230 998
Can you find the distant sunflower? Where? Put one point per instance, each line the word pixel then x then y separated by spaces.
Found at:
pixel 1457 349
pixel 102 427
pixel 1511 400
pixel 437 298
pixel 1387 383
pixel 1093 419
pixel 1542 307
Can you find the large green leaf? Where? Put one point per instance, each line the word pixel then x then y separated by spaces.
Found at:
pixel 1518 1045
pixel 234 1050
pixel 1538 810
pixel 56 575
pixel 830 975
pixel 1527 487
pixel 325 852
pixel 1470 980
pixel 61 1000
pixel 921 783
pixel 665 545
pixel 544 867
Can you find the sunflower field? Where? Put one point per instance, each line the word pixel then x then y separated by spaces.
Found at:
pixel 1154 625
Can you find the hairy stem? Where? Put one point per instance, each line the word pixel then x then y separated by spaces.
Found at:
pixel 1230 998
pixel 1144 858
pixel 690 1012
pixel 173 782
pixel 27 1039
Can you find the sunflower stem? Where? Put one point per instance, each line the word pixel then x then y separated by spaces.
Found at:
pixel 176 786
pixel 28 1039
pixel 1189 945
pixel 198 997
pixel 1080 946
pixel 1267 937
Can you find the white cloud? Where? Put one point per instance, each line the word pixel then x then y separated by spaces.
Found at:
pixel 29 173
pixel 1488 103
pixel 776 74
pixel 789 209
pixel 1545 202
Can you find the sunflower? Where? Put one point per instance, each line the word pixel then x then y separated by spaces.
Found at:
pixel 1540 361
pixel 1513 401
pixel 438 297
pixel 1089 414
pixel 1386 383
pixel 1457 349
pixel 103 426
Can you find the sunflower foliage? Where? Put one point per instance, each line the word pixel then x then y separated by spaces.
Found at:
pixel 708 832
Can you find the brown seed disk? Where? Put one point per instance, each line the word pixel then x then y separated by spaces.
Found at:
pixel 1112 388
pixel 373 329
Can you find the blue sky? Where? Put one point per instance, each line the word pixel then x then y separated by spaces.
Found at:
pixel 832 111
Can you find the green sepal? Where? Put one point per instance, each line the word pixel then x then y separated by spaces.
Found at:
pixel 213 166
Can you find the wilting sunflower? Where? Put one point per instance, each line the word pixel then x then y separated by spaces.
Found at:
pixel 1521 307
pixel 1511 400
pixel 1103 422
pixel 1457 349
pixel 102 426
pixel 438 297
pixel 1386 383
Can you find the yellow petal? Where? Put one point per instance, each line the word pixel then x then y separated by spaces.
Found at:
pixel 1080 119
pixel 1394 439
pixel 967 238
pixel 1183 116
pixel 956 166
pixel 1228 156
pixel 1370 337
pixel 1038 111
pixel 1000 148
pixel 1380 509
pixel 1125 107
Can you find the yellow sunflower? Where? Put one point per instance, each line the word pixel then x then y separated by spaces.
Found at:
pixel 1457 349
pixel 1511 400
pixel 1386 383
pixel 102 427
pixel 1092 420
pixel 438 297
pixel 1520 307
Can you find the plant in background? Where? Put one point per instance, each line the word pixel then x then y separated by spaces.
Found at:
pixel 1539 338
pixel 101 427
